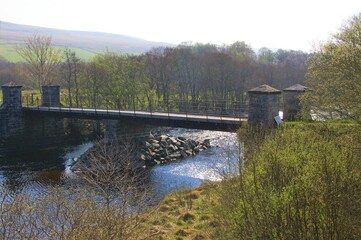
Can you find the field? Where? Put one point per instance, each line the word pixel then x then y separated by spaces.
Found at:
pixel 85 44
pixel 7 52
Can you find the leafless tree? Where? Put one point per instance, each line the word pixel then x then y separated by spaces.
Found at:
pixel 42 58
pixel 122 185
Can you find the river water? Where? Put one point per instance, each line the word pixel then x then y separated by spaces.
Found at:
pixel 37 172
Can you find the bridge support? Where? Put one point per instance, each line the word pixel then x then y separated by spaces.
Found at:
pixel 12 100
pixel 264 104
pixel 125 130
pixel 292 106
pixel 50 96
pixel 11 115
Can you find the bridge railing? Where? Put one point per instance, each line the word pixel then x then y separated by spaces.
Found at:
pixel 209 108
pixel 204 107
pixel 31 99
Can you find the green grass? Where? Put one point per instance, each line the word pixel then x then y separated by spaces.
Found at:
pixel 7 52
pixel 184 214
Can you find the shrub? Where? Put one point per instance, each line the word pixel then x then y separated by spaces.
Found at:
pixel 301 183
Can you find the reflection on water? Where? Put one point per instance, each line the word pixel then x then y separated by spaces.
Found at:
pixel 39 171
pixel 35 172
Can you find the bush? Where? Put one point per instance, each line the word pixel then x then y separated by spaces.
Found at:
pixel 301 183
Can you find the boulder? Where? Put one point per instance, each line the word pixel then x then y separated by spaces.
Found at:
pixel 155 145
pixel 160 149
pixel 183 153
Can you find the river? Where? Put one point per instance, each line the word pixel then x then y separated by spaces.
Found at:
pixel 41 170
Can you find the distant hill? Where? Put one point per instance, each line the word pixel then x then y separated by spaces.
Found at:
pixel 86 44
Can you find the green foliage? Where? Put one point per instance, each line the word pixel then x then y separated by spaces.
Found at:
pixel 114 80
pixel 303 182
pixel 334 74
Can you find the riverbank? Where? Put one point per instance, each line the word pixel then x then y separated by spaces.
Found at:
pixel 300 181
pixel 165 148
pixel 156 149
pixel 184 214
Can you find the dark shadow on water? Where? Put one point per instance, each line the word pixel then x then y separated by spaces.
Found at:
pixel 32 170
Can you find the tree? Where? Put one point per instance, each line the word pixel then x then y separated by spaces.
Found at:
pixel 266 55
pixel 41 57
pixel 334 74
pixel 112 168
pixel 70 70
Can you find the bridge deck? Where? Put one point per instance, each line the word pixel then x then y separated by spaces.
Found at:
pixel 181 119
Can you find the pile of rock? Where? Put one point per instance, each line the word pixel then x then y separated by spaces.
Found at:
pixel 165 148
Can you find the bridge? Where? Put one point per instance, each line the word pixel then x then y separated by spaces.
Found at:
pixel 184 120
pixel 25 126
pixel 263 105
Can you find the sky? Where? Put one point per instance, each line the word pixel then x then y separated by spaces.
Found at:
pixel 286 24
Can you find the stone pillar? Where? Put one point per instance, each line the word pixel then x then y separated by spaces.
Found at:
pixel 264 104
pixel 292 106
pixel 111 128
pixel 50 96
pixel 11 97
pixel 11 115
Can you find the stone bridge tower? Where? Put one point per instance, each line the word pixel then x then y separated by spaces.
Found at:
pixel 11 115
pixel 12 99
pixel 292 105
pixel 50 96
pixel 264 105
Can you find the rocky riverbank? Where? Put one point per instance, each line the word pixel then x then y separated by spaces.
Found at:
pixel 156 149
pixel 164 148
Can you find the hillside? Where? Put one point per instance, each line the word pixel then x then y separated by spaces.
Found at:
pixel 86 44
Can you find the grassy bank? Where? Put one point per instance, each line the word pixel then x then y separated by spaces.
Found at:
pixel 299 182
pixel 185 214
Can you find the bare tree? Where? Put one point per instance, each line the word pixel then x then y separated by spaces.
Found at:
pixel 70 69
pixel 42 58
pixel 112 205
pixel 122 186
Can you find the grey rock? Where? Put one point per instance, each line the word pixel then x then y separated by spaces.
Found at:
pixel 184 154
pixel 156 145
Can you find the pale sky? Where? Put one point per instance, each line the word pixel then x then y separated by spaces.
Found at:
pixel 287 24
